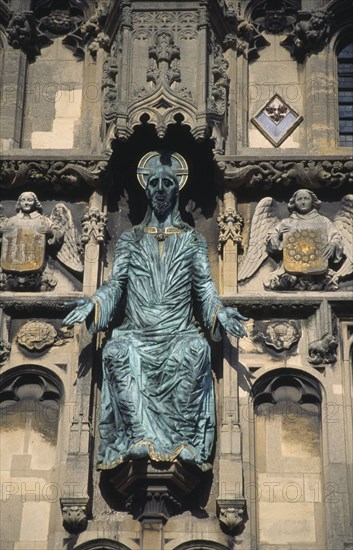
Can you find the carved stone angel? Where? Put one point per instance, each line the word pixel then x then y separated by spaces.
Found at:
pixel 27 237
pixel 308 242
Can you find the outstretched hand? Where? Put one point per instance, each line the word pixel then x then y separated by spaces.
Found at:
pixel 230 320
pixel 83 308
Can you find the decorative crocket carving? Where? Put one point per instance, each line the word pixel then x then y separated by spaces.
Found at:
pixel 230 224
pixel 93 226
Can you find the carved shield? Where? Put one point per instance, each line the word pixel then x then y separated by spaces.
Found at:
pixel 303 251
pixel 22 250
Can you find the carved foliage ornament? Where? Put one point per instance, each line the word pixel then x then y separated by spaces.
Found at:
pixel 109 87
pixel 59 174
pixel 310 174
pixel 218 97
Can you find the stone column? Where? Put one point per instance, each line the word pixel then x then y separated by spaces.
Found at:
pixel 12 102
pixel 76 505
pixel 230 224
pixel 231 502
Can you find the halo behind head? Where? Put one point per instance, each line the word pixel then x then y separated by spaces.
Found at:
pixel 154 160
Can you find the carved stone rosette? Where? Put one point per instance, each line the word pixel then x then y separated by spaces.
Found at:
pixel 232 515
pixel 75 513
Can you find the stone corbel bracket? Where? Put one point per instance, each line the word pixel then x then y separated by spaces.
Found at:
pixel 75 513
pixel 15 172
pixel 22 34
pixel 313 174
pixel 232 515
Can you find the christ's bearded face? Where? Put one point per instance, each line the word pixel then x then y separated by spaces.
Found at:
pixel 162 191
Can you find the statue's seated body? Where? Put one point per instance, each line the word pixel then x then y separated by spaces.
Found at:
pixel 157 395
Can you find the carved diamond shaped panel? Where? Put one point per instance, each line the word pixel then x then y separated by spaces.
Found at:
pixel 276 120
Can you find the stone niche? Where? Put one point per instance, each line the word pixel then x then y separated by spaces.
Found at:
pixel 30 401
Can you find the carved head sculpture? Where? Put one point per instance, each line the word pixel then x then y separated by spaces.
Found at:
pixel 162 175
pixel 162 190
pixel 303 201
pixel 28 202
pixel 275 20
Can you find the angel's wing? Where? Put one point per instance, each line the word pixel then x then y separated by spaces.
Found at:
pixel 69 252
pixel 344 224
pixel 265 218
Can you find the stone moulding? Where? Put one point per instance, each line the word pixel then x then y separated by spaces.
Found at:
pixel 15 172
pixel 330 172
pixel 34 306
pixel 293 303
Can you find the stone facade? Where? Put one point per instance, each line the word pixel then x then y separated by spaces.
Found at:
pixel 248 93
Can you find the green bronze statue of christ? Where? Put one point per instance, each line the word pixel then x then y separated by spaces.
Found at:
pixel 157 395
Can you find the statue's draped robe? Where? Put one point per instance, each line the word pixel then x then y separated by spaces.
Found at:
pixel 157 382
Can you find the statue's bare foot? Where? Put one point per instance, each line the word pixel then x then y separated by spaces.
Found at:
pixel 140 451
pixel 187 456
